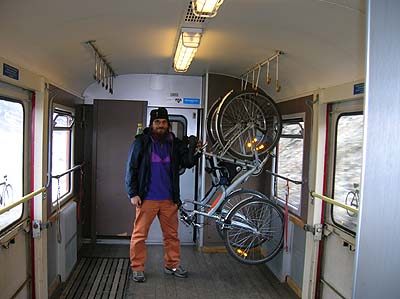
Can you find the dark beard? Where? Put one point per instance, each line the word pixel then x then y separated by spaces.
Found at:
pixel 162 138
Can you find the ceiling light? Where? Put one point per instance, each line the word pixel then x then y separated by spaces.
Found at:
pixel 189 41
pixel 206 8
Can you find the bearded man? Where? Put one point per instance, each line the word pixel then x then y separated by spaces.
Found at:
pixel 152 184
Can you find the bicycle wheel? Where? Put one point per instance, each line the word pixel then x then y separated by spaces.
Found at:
pixel 351 200
pixel 255 232
pixel 7 195
pixel 211 128
pixel 232 200
pixel 248 117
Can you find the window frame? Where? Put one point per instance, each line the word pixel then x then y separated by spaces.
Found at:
pixel 290 119
pixel 23 101
pixel 62 110
pixel 179 119
pixel 336 119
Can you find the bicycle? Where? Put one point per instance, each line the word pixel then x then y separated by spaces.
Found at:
pixel 353 199
pixel 6 193
pixel 250 224
pixel 244 117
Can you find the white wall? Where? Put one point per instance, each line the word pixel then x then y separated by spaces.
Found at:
pixel 158 90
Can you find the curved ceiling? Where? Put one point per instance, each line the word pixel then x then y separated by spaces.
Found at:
pixel 323 41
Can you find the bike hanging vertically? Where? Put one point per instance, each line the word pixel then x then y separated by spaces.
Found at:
pixel 244 127
pixel 248 120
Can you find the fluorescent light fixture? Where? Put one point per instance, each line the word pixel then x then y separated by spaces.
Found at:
pixel 189 41
pixel 206 8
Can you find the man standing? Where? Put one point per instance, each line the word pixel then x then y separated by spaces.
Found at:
pixel 152 184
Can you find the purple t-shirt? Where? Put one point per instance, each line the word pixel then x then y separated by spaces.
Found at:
pixel 160 187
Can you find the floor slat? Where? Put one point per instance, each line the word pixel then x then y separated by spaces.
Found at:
pixel 211 275
pixel 97 278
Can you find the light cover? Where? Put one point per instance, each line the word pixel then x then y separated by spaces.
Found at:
pixel 188 43
pixel 206 8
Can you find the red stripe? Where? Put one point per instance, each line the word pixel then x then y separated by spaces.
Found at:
pixel 31 187
pixel 287 216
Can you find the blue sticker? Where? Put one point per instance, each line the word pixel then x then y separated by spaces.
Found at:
pixel 10 71
pixel 191 101
pixel 358 88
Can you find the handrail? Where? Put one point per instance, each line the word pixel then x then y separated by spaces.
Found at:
pixel 283 177
pixel 23 199
pixel 41 190
pixel 334 202
pixel 67 171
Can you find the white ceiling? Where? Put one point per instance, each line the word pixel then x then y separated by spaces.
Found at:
pixel 324 41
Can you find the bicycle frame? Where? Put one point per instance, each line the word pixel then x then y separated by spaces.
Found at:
pixel 251 168
pixel 3 191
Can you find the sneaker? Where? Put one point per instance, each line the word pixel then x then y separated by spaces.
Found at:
pixel 138 276
pixel 178 272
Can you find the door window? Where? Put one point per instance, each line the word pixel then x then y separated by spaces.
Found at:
pixel 178 125
pixel 348 162
pixel 61 154
pixel 290 162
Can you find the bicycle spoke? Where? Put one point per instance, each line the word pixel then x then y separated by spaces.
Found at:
pixel 258 113
pixel 256 233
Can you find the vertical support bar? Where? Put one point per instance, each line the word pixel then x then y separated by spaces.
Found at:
pixel 316 182
pixel 40 179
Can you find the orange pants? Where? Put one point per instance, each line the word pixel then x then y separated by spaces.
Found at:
pixel 167 213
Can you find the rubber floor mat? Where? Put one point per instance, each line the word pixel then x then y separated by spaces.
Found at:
pixel 98 278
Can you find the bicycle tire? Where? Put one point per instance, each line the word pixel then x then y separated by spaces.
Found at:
pixel 353 194
pixel 256 230
pixel 248 108
pixel 211 129
pixel 232 200
pixel 7 195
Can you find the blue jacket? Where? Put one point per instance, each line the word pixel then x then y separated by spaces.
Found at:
pixel 138 165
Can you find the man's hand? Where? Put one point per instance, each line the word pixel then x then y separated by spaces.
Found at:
pixel 136 200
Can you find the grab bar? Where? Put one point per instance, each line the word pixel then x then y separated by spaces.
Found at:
pixel 68 171
pixel 334 202
pixel 41 190
pixel 23 199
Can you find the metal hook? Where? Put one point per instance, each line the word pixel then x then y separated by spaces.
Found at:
pixel 247 80
pixel 277 85
pixel 268 78
pixel 253 83
pixel 258 75
pixel 95 66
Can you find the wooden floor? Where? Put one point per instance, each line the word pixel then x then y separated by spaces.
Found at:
pixel 211 275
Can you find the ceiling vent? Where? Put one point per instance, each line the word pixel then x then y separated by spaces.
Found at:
pixel 191 17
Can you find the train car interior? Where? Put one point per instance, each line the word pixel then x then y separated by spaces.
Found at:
pixel 296 104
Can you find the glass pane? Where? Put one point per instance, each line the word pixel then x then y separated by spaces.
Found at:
pixel 11 159
pixel 61 162
pixel 178 129
pixel 349 141
pixel 290 163
pixel 293 129
pixel 62 120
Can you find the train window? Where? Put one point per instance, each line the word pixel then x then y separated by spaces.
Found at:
pixel 178 125
pixel 11 159
pixel 179 128
pixel 348 162
pixel 61 154
pixel 290 162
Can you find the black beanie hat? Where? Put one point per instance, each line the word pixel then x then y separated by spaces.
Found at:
pixel 160 113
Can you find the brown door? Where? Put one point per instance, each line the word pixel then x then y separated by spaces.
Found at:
pixel 115 124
